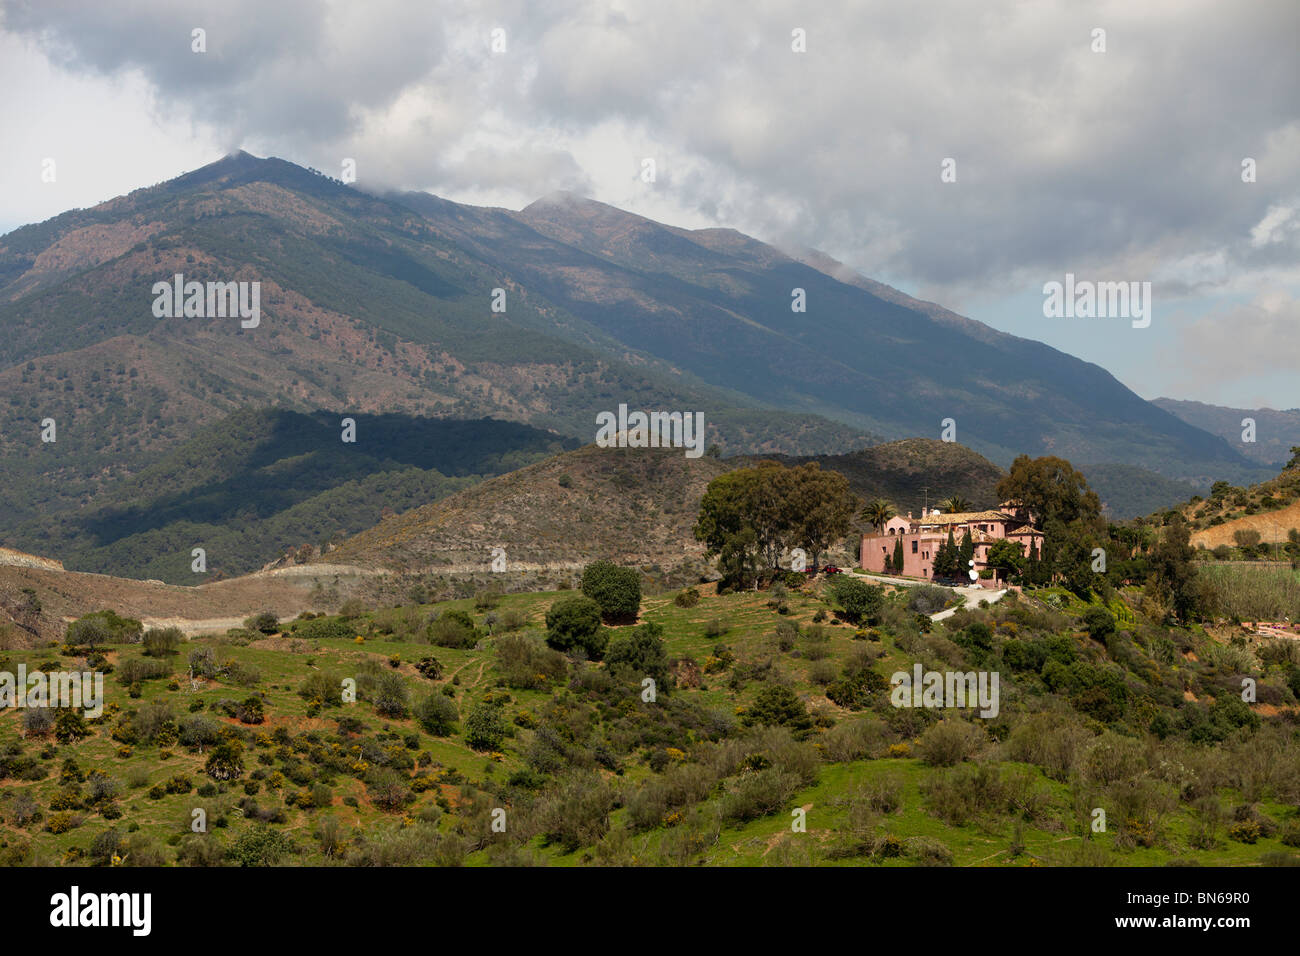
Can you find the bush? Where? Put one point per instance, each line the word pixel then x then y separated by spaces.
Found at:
pixel 264 623
pixel 322 629
pixel 437 714
pixel 573 623
pixel 778 705
pixel 927 599
pixel 950 742
pixel 429 667
pixel 755 795
pixel 453 628
pixel 527 664
pixel 260 846
pixel 484 727
pixel 162 641
pixel 640 654
pixel 575 813
pixel 687 597
pixel 226 761
pixel 250 711
pixel 617 590
pixel 389 695
pixel 104 627
pixel 1099 623
pixel 136 669
pixel 861 602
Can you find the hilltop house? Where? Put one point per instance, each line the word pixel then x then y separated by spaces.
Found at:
pixel 922 537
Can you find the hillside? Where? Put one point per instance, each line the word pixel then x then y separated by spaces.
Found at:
pixel 1276 432
pixel 384 303
pixel 365 309
pixel 1271 508
pixel 258 482
pixel 633 506
pixel 1127 491
pixel 759 711
pixel 916 471
pixel 37 602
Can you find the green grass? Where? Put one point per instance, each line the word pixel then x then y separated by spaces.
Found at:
pixel 1252 593
pixel 1053 836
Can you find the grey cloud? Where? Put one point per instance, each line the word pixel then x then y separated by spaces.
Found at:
pixel 1067 159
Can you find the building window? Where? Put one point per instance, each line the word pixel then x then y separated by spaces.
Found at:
pixel 914 547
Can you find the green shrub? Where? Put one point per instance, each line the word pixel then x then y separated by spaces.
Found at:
pixel 527 664
pixel 617 590
pixel 640 654
pixel 323 629
pixel 264 623
pixel 453 628
pixel 260 845
pixel 573 623
pixel 162 641
pixel 437 714
pixel 485 728
pixel 862 602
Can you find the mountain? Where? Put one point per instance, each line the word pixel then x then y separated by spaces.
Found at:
pixel 376 304
pixel 261 481
pixel 1276 432
pixel 1127 491
pixel 719 304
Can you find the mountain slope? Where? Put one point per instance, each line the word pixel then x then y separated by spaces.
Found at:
pixel 1276 432
pixel 634 506
pixel 377 304
pixel 260 481
pixel 719 304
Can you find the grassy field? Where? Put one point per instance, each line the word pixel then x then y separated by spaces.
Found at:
pixel 1252 592
pixel 869 786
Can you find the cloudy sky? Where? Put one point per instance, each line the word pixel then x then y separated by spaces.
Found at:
pixel 1122 165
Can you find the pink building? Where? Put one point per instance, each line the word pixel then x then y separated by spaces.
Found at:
pixel 921 538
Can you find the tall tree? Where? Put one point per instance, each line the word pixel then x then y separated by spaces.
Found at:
pixel 750 516
pixel 1052 489
pixel 898 555
pixel 819 508
pixel 1173 571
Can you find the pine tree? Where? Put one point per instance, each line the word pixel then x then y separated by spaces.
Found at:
pixel 898 556
pixel 965 554
pixel 946 558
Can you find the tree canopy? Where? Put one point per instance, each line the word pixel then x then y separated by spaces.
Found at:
pixel 749 517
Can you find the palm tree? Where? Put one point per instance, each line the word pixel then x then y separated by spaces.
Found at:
pixel 878 511
pixel 954 505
